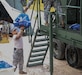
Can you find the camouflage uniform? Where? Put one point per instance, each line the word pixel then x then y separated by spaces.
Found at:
pixel 18 58
pixel 18 49
pixel 48 4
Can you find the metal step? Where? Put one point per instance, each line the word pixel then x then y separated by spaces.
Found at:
pixel 39 45
pixel 43 39
pixel 39 50
pixel 36 59
pixel 34 64
pixel 36 55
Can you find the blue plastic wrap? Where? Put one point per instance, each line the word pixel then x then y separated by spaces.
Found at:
pixel 22 20
pixel 4 64
pixel 75 26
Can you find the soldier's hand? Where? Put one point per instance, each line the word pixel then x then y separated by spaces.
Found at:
pixel 22 27
pixel 25 9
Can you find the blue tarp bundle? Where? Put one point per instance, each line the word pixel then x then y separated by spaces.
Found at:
pixel 22 20
pixel 75 26
pixel 4 64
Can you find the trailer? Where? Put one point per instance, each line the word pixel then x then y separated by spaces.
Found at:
pixel 68 42
pixel 62 43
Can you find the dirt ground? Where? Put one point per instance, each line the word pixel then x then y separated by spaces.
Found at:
pixel 61 67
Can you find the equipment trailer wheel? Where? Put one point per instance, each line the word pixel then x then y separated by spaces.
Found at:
pixel 73 56
pixel 59 49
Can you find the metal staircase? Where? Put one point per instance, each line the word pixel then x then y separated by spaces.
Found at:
pixel 39 49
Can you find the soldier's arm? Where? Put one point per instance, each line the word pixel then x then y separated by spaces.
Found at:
pixel 30 2
pixel 20 33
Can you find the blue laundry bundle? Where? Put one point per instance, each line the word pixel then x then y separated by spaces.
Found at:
pixel 75 26
pixel 22 20
pixel 4 64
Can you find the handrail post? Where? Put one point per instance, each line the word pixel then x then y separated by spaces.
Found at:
pixel 51 44
pixel 81 17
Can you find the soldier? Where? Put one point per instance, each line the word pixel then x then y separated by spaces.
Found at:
pixel 47 5
pixel 18 49
pixel 57 5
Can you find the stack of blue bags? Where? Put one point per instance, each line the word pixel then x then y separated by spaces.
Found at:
pixel 22 20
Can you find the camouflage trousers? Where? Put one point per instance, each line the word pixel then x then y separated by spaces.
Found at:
pixel 48 4
pixel 18 58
